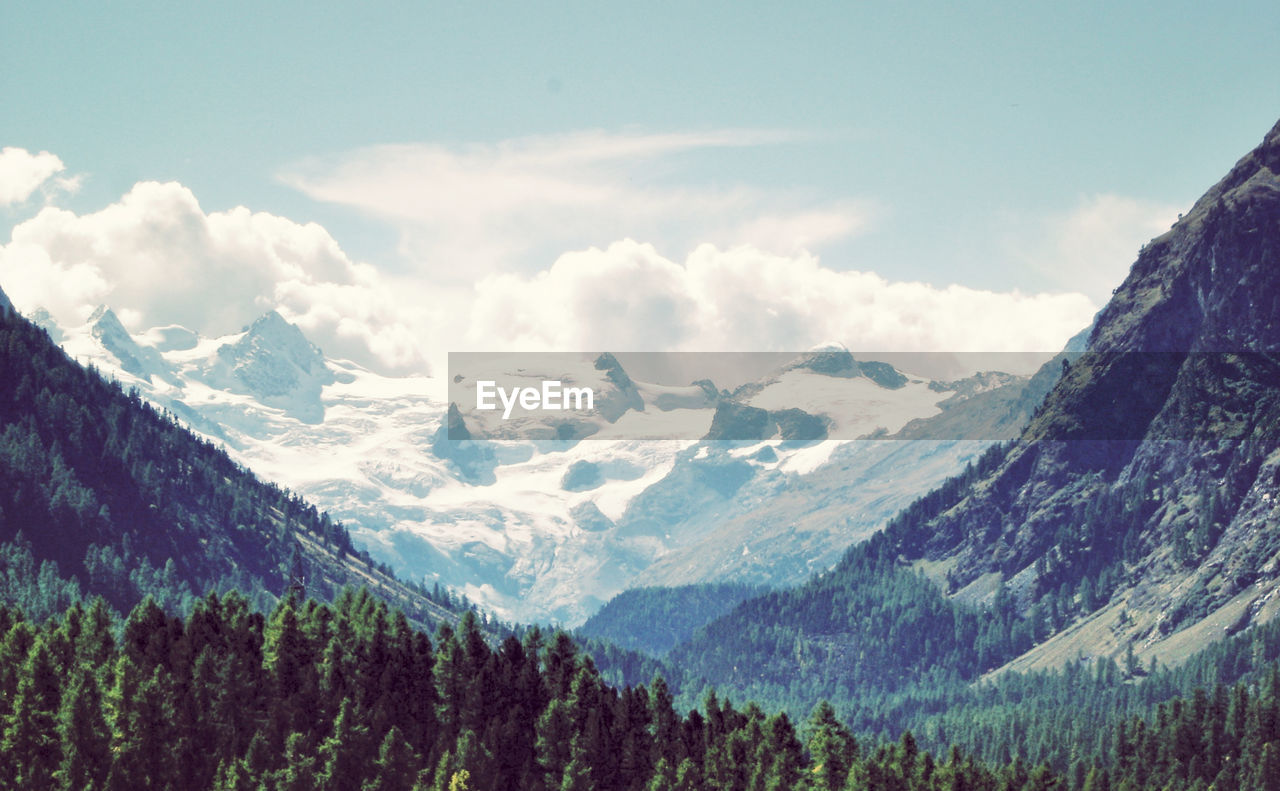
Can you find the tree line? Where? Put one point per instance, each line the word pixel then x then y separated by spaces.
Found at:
pixel 351 696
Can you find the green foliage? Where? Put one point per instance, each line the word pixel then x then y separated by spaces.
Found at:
pixel 655 620
pixel 333 697
pixel 38 590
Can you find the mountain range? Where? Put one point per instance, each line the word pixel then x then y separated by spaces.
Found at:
pixel 544 529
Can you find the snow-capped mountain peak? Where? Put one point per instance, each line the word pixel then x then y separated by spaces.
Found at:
pixel 541 528
pixel 143 362
pixel 276 364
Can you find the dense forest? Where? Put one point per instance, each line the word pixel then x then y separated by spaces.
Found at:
pixel 655 620
pixel 351 696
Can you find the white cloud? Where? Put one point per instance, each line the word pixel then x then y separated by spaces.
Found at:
pixel 1092 246
pixel 22 173
pixel 492 208
pixel 33 279
pixel 629 297
pixel 157 258
pixel 803 230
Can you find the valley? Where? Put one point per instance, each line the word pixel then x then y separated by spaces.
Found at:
pixel 548 530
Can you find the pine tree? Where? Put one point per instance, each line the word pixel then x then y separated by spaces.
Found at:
pixel 84 736
pixel 290 663
pixel 560 663
pixel 636 747
pixel 142 732
pixel 554 737
pixel 96 645
pixel 785 753
pixel 344 756
pixel 299 770
pixel 665 724
pixel 15 646
pixel 148 636
pixel 396 766
pixel 30 742
pixel 449 673
pixel 663 777
pixel 832 747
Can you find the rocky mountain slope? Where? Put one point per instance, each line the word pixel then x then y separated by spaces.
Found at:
pixel 1137 518
pixel 1167 486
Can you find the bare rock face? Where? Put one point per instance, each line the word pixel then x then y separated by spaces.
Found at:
pixel 1150 470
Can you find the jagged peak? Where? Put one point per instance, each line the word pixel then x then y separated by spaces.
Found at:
pixel 277 329
pixel 1273 137
pixel 836 360
pixel 605 361
pixel 614 371
pixel 104 318
pixel 278 365
pixel 106 326
pixel 271 320
pixel 832 359
pixel 143 362
pixel 827 346
pixel 274 335
pixel 1186 275
pixel 6 307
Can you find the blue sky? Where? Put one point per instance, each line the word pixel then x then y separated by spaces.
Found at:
pixel 997 146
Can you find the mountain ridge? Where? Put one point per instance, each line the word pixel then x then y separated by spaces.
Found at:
pixel 128 502
pixel 1136 515
pixel 505 523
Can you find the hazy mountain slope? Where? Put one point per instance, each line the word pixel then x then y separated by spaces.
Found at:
pixel 800 515
pixel 6 307
pixel 655 620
